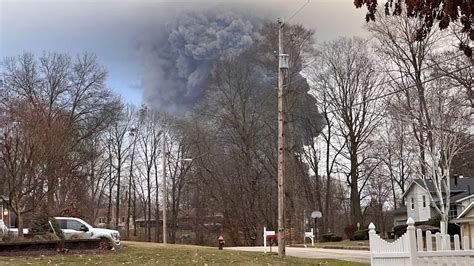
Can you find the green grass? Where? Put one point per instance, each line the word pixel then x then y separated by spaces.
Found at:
pixel 137 253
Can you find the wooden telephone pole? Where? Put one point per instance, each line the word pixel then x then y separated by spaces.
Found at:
pixel 282 65
pixel 165 192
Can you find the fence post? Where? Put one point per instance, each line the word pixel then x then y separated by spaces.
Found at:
pixel 412 241
pixel 265 239
pixel 372 244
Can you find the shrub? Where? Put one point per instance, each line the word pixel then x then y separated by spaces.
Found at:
pixel 336 238
pixel 349 231
pixel 399 230
pixel 361 235
pixel 434 221
pixel 9 236
pixel 38 238
pixel 327 237
pixel 41 226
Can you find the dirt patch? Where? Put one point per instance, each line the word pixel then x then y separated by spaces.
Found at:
pixel 34 253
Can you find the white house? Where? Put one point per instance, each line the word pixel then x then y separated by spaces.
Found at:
pixel 466 221
pixel 418 204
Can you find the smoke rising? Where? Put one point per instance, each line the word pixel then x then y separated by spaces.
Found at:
pixel 178 61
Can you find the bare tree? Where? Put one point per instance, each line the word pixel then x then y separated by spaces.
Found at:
pixel 397 43
pixel 424 98
pixel 58 87
pixel 24 152
pixel 149 148
pixel 120 148
pixel 451 132
pixel 347 75
pixel 399 155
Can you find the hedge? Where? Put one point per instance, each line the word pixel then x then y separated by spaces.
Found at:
pixel 326 237
pixel 361 235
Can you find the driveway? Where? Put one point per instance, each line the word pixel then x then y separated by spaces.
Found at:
pixel 318 253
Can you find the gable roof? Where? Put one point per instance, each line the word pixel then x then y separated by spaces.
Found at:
pixel 414 182
pixel 463 217
pixel 460 187
pixel 465 211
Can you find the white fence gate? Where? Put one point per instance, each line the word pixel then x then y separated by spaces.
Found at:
pixel 410 249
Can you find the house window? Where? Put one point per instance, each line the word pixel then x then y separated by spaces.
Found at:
pixel 412 203
pixel 122 219
pixel 424 201
pixel 453 212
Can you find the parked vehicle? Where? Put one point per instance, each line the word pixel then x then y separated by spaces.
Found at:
pixel 14 231
pixel 3 230
pixel 75 227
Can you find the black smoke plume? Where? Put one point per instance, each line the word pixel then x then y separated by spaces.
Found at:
pixel 178 61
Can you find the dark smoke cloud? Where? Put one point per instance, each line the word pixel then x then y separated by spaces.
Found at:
pixel 178 60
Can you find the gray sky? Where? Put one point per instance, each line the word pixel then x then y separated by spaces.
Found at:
pixel 111 28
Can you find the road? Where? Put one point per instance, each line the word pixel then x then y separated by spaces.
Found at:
pixel 318 253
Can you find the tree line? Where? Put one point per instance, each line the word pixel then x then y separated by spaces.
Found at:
pixel 364 118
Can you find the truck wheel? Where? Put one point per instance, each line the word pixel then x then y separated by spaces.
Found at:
pixel 105 244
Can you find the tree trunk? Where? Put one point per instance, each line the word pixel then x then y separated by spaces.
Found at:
pixel 327 202
pixel 129 199
pixel 19 217
pixel 149 205
pixel 117 198
pixel 109 207
pixel 356 211
pixel 157 205
pixel 134 214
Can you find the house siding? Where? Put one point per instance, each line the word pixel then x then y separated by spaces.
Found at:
pixel 419 213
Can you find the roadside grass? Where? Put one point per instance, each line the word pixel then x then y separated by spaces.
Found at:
pixel 139 253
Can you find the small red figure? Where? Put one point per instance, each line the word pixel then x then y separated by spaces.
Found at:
pixel 221 241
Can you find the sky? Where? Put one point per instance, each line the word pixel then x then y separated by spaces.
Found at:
pixel 112 29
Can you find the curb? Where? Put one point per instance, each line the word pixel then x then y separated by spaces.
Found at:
pixel 349 248
pixel 332 247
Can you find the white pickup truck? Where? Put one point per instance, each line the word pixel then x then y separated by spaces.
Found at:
pixel 75 226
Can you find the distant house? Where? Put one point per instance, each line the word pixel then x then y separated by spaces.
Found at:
pixel 102 214
pixel 466 221
pixel 418 204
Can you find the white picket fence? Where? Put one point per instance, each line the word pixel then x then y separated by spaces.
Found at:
pixel 410 249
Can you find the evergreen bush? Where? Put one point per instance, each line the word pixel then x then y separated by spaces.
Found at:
pixel 42 222
pixel 361 235
pixel 326 237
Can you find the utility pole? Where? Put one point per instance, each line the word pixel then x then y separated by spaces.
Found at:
pixel 282 65
pixel 165 191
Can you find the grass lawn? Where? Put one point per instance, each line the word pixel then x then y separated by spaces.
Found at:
pixel 138 253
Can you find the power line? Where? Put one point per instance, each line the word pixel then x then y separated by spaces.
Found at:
pixel 394 79
pixel 382 82
pixel 399 90
pixel 397 78
pixel 299 10
pixel 403 89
